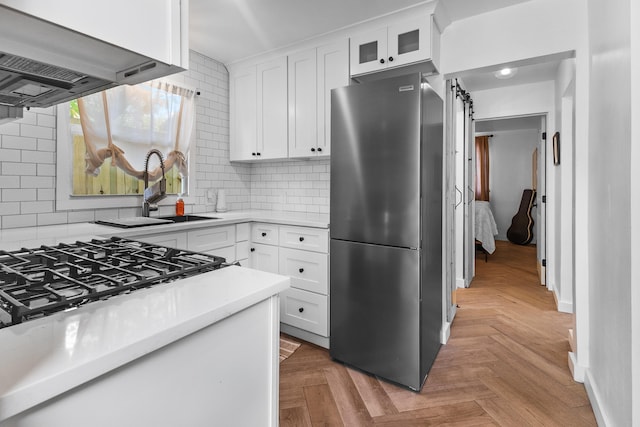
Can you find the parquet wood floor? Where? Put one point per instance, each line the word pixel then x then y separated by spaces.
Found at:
pixel 505 365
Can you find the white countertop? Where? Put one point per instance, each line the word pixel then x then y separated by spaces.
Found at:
pixel 45 357
pixel 29 237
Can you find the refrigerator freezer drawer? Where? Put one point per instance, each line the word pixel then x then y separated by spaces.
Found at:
pixel 308 270
pixel 375 310
pixel 305 310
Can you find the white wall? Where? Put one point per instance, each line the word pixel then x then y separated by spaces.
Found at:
pixel 510 173
pixel 28 159
pixel 635 209
pixel 516 33
pixel 520 100
pixel 609 373
pixel 562 194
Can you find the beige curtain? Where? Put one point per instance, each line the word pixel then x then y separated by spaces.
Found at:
pixel 125 122
pixel 482 168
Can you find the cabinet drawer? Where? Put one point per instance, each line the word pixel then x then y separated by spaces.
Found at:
pixel 308 270
pixel 228 253
pixel 206 239
pixel 242 232
pixel 305 310
pixel 264 233
pixel 172 240
pixel 310 239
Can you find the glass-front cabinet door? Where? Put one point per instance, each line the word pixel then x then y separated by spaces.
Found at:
pixel 408 42
pixel 397 44
pixel 369 51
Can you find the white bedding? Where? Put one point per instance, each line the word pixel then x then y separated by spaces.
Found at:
pixel 485 226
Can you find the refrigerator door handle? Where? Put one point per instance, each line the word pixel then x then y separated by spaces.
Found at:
pixel 461 197
pixel 473 194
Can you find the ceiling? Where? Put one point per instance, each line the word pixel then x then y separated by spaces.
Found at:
pixel 230 30
pixel 535 72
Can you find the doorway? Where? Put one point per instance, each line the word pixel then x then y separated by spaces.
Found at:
pixel 517 171
pixel 529 96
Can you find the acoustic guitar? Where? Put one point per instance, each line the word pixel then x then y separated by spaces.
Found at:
pixel 521 230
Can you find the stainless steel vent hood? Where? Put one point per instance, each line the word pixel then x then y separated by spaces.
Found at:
pixel 43 64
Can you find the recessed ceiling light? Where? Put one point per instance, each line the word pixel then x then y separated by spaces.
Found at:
pixel 505 73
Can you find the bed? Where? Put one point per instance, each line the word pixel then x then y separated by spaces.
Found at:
pixel 485 226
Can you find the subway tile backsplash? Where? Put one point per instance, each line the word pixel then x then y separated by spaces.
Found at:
pixel 28 165
pixel 299 186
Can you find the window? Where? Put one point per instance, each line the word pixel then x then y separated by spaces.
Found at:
pixel 104 138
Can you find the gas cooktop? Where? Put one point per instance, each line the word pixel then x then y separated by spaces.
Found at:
pixel 42 281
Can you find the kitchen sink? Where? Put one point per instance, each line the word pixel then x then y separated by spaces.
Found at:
pixel 186 218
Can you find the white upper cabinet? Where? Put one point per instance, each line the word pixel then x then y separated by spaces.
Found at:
pixel 303 104
pixel 243 113
pixel 158 30
pixel 333 72
pixel 312 75
pixel 272 109
pixel 402 43
pixel 258 111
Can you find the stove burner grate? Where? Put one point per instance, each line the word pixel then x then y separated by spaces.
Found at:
pixel 41 281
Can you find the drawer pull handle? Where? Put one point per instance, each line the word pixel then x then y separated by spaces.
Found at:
pixel 301 309
pixel 264 234
pixel 301 270
pixel 253 249
pixel 301 239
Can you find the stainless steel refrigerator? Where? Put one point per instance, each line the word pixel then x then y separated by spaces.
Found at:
pixel 386 228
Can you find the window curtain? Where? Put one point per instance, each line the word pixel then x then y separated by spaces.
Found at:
pixel 125 122
pixel 482 168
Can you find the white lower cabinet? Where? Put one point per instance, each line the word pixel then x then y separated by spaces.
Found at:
pixel 305 310
pixel 243 231
pixel 230 242
pixel 302 254
pixel 220 241
pixel 308 270
pixel 264 257
pixel 173 240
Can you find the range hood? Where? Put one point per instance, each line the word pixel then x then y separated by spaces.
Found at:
pixel 43 64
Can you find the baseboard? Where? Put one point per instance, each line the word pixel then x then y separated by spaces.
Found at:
pixel 304 335
pixel 572 340
pixel 594 398
pixel 565 307
pixel 562 306
pixel 461 283
pixel 445 333
pixel 542 273
pixel 577 371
